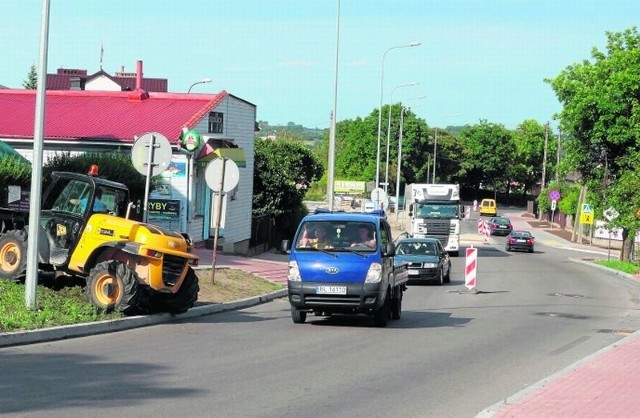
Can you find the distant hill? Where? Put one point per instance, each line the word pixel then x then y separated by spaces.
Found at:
pixel 290 130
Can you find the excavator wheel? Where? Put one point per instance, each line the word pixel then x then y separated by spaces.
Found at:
pixel 13 254
pixel 113 286
pixel 179 302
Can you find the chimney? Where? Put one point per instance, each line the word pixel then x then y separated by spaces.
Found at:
pixel 138 94
pixel 139 75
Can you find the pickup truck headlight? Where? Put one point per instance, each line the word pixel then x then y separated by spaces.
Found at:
pixel 294 272
pixel 374 274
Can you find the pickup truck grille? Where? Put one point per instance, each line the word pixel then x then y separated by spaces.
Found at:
pixel 332 300
pixel 172 269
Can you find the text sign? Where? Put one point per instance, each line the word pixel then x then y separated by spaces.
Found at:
pixel 164 208
pixel 611 213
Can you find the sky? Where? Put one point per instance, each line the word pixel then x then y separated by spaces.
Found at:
pixel 477 59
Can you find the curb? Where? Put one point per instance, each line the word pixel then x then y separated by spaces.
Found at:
pixel 10 339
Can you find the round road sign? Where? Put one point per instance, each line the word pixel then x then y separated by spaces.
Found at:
pixel 160 157
pixel 214 177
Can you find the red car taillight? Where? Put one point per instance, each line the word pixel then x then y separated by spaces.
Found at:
pixel 511 240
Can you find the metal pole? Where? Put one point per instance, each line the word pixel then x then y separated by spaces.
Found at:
pixel 31 279
pixel 219 195
pixel 399 164
pixel 412 44
pixel 386 175
pixel 544 163
pixel 332 129
pixel 147 185
pixel 435 147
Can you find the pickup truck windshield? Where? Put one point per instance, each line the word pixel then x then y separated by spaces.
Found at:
pixel 337 236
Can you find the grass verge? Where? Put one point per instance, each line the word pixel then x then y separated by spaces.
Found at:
pixel 623 266
pixel 69 305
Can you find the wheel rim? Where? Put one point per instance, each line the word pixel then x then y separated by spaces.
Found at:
pixel 9 256
pixel 107 290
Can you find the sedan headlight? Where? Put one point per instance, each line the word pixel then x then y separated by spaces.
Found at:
pixel 430 265
pixel 294 272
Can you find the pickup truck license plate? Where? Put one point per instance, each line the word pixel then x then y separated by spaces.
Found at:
pixel 331 290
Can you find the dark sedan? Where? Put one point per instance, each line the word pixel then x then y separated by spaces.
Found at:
pixel 520 240
pixel 426 259
pixel 499 225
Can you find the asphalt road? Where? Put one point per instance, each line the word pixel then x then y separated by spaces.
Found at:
pixel 452 354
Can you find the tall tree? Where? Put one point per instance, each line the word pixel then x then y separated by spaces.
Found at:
pixel 601 113
pixel 31 83
pixel 488 151
pixel 526 168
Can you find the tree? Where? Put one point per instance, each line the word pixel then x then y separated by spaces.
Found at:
pixel 488 151
pixel 601 113
pixel 31 83
pixel 526 168
pixel 283 171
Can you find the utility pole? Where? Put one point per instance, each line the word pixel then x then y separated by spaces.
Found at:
pixel 544 163
pixel 544 156
pixel 558 155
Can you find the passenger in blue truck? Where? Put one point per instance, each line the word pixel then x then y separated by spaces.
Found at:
pixel 318 239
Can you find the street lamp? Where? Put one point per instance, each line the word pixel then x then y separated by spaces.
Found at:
pixel 412 44
pixel 386 174
pixel 203 81
pixel 435 145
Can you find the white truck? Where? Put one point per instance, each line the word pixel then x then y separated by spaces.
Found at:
pixel 434 211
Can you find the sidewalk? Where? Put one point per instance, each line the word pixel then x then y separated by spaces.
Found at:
pixel 605 384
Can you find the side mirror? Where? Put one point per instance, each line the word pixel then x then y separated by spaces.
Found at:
pixel 390 249
pixel 284 246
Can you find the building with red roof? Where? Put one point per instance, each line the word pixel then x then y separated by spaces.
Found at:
pixel 97 121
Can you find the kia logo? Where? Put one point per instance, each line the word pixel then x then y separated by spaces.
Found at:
pixel 332 270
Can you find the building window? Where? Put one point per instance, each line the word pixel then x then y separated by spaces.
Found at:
pixel 216 122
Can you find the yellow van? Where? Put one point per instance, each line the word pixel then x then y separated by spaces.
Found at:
pixel 488 207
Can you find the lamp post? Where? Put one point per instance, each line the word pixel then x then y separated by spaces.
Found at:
pixel 409 45
pixel 203 81
pixel 435 147
pixel 400 156
pixel 332 131
pixel 386 171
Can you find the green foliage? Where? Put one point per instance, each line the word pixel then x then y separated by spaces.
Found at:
pixel 291 131
pixel 14 171
pixel 53 308
pixel 31 83
pixel 601 113
pixel 624 266
pixel 569 196
pixel 489 149
pixel 283 172
pixel 115 166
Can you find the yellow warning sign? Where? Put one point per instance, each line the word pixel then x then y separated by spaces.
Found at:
pixel 586 218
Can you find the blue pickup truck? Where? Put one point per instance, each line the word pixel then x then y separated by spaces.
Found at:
pixel 343 263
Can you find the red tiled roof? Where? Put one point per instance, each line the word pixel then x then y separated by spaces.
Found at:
pixel 62 81
pixel 103 115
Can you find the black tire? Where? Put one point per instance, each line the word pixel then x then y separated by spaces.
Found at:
pixel 381 316
pixel 114 286
pixel 13 254
pixel 441 276
pixel 179 302
pixel 447 277
pixel 396 309
pixel 508 248
pixel 298 316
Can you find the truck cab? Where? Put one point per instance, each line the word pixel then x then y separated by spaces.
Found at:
pixel 343 263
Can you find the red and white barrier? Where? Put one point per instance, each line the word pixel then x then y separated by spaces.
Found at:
pixel 467 212
pixel 471 266
pixel 487 232
pixel 480 226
